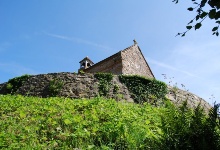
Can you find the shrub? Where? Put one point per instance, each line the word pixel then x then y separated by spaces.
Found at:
pixel 58 123
pixel 14 84
pixel 104 83
pixel 81 72
pixel 55 87
pixel 144 89
pixel 115 88
pixel 62 123
pixel 190 129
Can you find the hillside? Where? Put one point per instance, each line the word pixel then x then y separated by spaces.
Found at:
pixel 103 111
pixel 130 88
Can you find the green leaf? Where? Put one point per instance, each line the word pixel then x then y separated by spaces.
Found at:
pixel 217 33
pixel 190 9
pixel 22 114
pixel 217 15
pixel 212 13
pixel 215 28
pixel 197 17
pixel 176 1
pixel 203 15
pixel 188 27
pixel 67 121
pixel 147 122
pixel 197 26
pixel 203 2
pixel 212 3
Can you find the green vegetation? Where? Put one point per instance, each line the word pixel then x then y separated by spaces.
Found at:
pixel 61 123
pixel 144 89
pixel 14 84
pixel 184 128
pixel 115 88
pixel 203 9
pixel 55 87
pixel 104 83
pixel 81 72
pixel 56 123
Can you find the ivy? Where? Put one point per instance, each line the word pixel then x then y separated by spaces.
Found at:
pixel 145 90
pixel 55 87
pixel 116 88
pixel 15 83
pixel 104 83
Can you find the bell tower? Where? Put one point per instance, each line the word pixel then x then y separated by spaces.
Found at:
pixel 85 63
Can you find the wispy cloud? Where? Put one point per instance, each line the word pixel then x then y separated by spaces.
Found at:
pixel 200 57
pixel 164 65
pixel 78 40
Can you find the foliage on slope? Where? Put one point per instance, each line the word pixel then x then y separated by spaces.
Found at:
pixel 144 89
pixel 51 123
pixel 15 83
pixel 61 123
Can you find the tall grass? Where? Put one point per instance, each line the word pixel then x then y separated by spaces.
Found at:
pixel 62 123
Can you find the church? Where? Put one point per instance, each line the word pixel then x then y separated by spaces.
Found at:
pixel 129 61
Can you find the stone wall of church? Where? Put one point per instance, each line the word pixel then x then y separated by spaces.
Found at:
pixel 129 61
pixel 133 62
pixel 111 64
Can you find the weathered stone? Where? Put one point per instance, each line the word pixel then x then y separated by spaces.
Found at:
pixel 127 61
pixel 87 86
pixel 177 96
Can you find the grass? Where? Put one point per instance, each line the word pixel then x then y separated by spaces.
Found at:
pixel 50 123
pixel 62 123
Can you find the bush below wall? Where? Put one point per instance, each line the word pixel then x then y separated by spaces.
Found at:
pixel 104 124
pixel 144 89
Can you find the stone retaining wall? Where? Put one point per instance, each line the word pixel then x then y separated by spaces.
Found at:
pixel 86 86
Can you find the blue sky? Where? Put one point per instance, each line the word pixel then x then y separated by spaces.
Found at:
pixel 44 36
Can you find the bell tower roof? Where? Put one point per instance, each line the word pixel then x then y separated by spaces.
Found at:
pixel 87 59
pixel 85 63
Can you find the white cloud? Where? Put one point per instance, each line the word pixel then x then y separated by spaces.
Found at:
pixel 78 40
pixel 202 57
pixel 196 64
pixel 166 66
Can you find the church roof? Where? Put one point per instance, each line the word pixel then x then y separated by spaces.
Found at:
pixel 119 53
pixel 87 58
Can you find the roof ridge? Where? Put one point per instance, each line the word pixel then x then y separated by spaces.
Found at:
pixel 128 47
